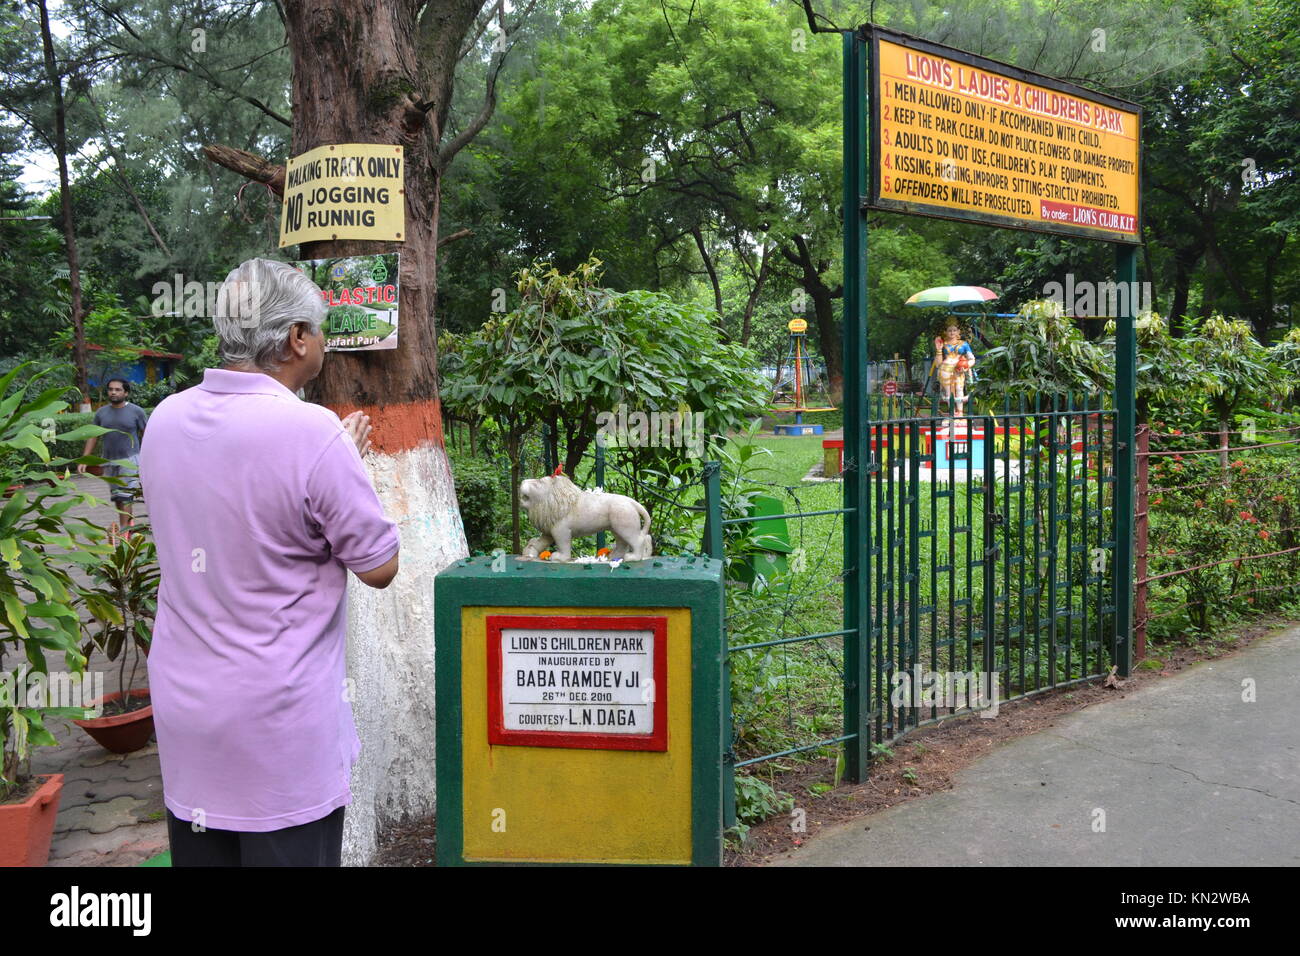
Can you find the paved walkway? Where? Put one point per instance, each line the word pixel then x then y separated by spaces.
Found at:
pixel 111 809
pixel 1184 771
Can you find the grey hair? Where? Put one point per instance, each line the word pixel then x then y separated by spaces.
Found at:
pixel 259 303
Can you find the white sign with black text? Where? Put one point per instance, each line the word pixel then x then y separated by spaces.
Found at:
pixel 577 680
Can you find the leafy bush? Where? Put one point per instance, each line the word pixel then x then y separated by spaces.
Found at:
pixel 1199 517
pixel 756 799
pixel 484 502
pixel 1040 352
pixel 39 542
pixel 571 351
pixel 148 394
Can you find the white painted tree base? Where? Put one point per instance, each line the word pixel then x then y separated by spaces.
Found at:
pixel 390 650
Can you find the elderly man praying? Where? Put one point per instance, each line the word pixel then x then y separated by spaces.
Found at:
pixel 260 505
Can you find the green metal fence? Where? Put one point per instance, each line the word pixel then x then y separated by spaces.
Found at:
pixel 990 562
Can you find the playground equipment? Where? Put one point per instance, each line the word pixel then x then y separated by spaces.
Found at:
pixel 794 379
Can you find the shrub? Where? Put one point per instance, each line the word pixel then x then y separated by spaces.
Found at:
pixel 39 541
pixel 572 351
pixel 756 799
pixel 484 503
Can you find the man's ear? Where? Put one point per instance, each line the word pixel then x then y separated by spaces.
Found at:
pixel 298 339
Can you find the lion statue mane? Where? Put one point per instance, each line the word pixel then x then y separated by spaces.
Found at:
pixel 562 511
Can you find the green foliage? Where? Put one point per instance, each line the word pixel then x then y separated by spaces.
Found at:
pixel 39 543
pixel 1199 516
pixel 30 311
pixel 756 799
pixel 1220 143
pixel 484 502
pixel 571 351
pixel 1240 370
pixel 1167 371
pixel 1040 353
pixel 1286 354
pixel 122 599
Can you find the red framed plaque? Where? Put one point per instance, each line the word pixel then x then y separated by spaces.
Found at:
pixel 597 682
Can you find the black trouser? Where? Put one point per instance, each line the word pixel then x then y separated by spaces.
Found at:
pixel 319 843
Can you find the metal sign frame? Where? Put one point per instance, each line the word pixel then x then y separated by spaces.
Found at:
pixel 872 200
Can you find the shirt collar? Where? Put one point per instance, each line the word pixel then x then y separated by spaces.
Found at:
pixel 227 381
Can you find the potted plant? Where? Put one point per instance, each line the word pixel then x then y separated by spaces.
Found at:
pixel 122 600
pixel 39 540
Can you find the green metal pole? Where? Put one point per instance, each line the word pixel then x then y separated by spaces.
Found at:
pixel 714 548
pixel 713 509
pixel 857 613
pixel 1125 459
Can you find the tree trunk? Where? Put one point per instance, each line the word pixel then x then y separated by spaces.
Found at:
pixel 1185 259
pixel 751 303
pixel 1224 426
pixel 713 276
pixel 516 476
pixel 1178 306
pixel 65 202
pixel 823 296
pixel 366 71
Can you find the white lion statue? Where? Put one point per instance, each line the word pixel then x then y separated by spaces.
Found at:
pixel 562 511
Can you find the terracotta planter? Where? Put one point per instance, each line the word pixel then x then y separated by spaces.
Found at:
pixel 121 733
pixel 26 828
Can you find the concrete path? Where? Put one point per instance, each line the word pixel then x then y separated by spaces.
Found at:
pixel 111 809
pixel 1181 773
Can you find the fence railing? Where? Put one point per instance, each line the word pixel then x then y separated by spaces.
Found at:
pixel 1231 532
pixel 1002 561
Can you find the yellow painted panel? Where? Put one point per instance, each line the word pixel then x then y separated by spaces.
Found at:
pixel 549 803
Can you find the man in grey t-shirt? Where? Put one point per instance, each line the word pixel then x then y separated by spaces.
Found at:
pixel 121 446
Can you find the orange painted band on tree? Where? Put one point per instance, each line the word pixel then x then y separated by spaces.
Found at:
pixel 399 426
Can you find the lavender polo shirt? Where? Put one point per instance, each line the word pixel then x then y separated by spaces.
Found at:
pixel 259 504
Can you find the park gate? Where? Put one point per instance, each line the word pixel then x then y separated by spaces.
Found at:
pixel 998 546
pixel 990 556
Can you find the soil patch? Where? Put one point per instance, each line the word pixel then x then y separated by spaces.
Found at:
pixel 23 791
pixel 121 706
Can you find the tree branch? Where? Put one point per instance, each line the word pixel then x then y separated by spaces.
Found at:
pixel 459 234
pixel 462 139
pixel 813 17
pixel 247 165
pixel 146 53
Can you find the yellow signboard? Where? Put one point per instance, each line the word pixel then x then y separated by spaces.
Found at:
pixel 797 325
pixel 344 191
pixel 958 136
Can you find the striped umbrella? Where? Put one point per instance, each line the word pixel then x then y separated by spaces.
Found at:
pixel 951 295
